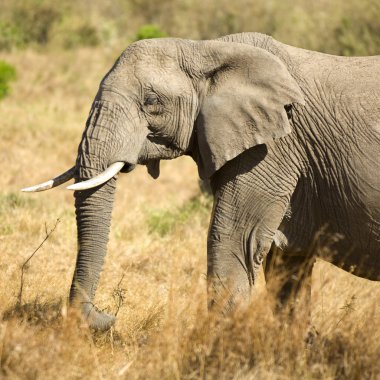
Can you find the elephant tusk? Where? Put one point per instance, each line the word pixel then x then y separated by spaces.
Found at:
pixel 62 178
pixel 111 171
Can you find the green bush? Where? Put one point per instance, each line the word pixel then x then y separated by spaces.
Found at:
pixel 7 74
pixel 149 31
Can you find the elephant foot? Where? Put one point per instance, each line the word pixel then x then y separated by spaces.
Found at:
pixel 96 319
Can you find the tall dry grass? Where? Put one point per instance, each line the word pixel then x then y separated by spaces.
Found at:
pixel 154 274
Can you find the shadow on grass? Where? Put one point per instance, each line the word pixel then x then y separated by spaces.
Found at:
pixel 37 312
pixel 54 314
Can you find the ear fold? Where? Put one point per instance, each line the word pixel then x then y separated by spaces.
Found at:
pixel 243 104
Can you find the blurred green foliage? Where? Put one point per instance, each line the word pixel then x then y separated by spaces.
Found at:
pixel 83 35
pixel 163 222
pixel 10 36
pixel 149 31
pixel 25 22
pixel 344 27
pixel 46 22
pixel 7 74
pixel 11 201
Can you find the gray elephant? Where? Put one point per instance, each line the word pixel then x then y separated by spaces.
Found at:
pixel 289 138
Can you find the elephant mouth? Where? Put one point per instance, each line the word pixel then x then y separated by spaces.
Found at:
pixel 127 168
pixel 158 148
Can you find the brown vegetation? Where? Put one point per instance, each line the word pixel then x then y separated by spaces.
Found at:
pixel 343 27
pixel 154 274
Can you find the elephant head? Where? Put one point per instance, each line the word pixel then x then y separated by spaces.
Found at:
pixel 162 99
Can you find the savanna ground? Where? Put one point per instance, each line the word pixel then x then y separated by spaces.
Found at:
pixel 154 275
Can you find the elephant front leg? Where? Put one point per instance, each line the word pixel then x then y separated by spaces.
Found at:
pixel 245 219
pixel 234 262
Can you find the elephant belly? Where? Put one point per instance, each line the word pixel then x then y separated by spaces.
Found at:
pixel 352 244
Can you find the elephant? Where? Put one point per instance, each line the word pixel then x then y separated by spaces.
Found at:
pixel 288 138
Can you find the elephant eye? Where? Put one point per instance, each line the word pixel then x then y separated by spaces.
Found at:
pixel 151 100
pixel 153 105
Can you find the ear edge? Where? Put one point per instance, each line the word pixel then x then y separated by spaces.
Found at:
pixel 289 93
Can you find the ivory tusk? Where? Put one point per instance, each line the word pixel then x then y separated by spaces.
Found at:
pixel 111 171
pixel 62 178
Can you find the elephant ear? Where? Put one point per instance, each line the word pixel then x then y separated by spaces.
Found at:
pixel 246 90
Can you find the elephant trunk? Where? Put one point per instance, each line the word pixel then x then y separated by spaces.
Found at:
pixel 94 209
pixel 93 215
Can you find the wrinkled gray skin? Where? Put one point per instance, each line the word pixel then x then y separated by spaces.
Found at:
pixel 290 139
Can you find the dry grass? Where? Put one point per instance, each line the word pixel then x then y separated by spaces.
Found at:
pixel 155 265
pixel 343 27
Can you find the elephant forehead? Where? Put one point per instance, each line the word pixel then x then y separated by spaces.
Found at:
pixel 162 78
pixel 161 51
pixel 149 65
pixel 150 70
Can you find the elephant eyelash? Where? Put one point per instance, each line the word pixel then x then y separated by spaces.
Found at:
pixel 152 105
